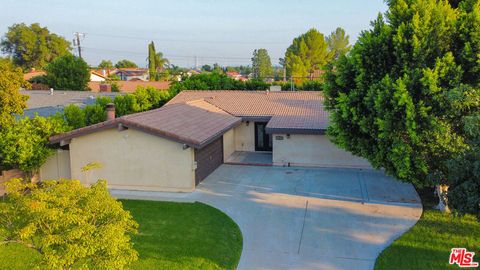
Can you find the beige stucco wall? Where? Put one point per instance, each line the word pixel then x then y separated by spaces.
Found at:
pixel 313 150
pixel 134 160
pixel 245 137
pixel 228 144
pixel 57 166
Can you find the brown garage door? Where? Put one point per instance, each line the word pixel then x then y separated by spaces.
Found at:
pixel 208 159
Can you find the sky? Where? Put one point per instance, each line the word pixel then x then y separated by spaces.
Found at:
pixel 190 32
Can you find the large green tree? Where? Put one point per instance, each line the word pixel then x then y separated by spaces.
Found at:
pixel 68 73
pixel 308 52
pixel 338 43
pixel 402 96
pixel 69 225
pixel 12 102
pixel 33 46
pixel 125 64
pixel 261 64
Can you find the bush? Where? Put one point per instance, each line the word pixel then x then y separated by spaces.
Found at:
pixel 124 104
pixel 68 73
pixel 95 114
pixel 24 145
pixel 74 116
pixel 68 225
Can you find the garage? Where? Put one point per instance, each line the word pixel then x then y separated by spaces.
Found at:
pixel 208 159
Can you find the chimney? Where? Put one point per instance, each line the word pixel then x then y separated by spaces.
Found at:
pixel 110 111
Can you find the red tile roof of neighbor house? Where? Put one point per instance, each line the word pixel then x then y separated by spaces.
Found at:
pixel 196 118
pixel 34 73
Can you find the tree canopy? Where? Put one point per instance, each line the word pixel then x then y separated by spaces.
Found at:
pixel 70 226
pixel 308 52
pixel 33 46
pixel 261 64
pixel 107 64
pixel 125 64
pixel 405 93
pixel 338 43
pixel 12 102
pixel 68 72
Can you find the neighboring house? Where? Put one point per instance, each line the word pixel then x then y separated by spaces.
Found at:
pixel 97 77
pixel 42 103
pixel 33 73
pixel 236 76
pixel 131 86
pixel 175 147
pixel 129 74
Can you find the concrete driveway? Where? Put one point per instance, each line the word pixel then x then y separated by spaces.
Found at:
pixel 299 218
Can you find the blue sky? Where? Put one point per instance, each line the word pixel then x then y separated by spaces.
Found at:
pixel 212 30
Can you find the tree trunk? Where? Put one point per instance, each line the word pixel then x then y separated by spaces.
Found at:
pixel 441 191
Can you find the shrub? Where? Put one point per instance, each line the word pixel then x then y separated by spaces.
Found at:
pixel 94 114
pixel 69 225
pixel 74 116
pixel 24 145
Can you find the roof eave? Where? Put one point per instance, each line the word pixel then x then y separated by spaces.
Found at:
pixel 306 131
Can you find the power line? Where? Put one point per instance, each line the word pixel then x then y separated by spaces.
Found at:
pixel 189 41
pixel 183 57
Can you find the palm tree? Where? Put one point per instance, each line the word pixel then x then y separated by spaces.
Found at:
pixel 160 62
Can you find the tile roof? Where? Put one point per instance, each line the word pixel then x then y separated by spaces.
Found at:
pixel 295 110
pixel 195 123
pixel 196 118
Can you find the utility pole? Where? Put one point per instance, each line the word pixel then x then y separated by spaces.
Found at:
pixel 76 42
pixel 196 63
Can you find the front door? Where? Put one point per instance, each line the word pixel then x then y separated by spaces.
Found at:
pixel 263 141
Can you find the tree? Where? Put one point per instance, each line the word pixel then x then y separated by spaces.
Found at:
pixel 308 52
pixel 152 65
pixel 11 101
pixel 68 72
pixel 338 43
pixel 207 68
pixel 463 172
pixel 125 64
pixel 70 226
pixel 402 96
pixel 33 46
pixel 261 64
pixel 24 145
pixel 156 62
pixel 105 64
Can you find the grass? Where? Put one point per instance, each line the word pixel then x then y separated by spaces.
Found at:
pixel 427 245
pixel 171 236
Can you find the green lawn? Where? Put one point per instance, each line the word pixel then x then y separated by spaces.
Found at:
pixel 427 245
pixel 171 236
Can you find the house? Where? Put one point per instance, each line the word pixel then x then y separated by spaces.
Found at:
pixel 175 147
pixel 43 103
pixel 33 73
pixel 131 74
pixel 97 77
pixel 131 86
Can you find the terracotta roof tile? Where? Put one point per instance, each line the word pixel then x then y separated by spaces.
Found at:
pixel 194 123
pixel 300 110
